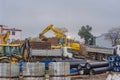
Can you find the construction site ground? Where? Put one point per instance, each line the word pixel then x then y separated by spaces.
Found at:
pixel 90 77
pixel 102 76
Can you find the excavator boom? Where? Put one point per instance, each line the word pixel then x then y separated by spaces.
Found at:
pixel 45 30
pixel 59 34
pixel 4 38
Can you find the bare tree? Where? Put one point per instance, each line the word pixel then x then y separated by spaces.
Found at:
pixel 113 35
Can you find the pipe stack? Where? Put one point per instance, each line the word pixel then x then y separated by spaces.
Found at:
pixel 114 63
pixel 94 68
pixel 73 62
pixel 83 67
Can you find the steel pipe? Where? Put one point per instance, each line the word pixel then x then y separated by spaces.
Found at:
pixel 100 70
pixel 91 65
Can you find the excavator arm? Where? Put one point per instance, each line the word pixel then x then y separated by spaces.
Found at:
pixel 5 37
pixel 45 30
pixel 57 32
pixel 74 45
pixel 25 50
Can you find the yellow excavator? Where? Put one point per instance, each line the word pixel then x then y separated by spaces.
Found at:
pixel 58 34
pixel 12 53
pixel 62 38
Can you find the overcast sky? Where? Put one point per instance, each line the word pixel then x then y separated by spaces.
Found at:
pixel 32 16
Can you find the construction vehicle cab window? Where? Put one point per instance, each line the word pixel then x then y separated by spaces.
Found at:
pixel 9 49
pixel 61 41
pixel 15 49
pixel 5 50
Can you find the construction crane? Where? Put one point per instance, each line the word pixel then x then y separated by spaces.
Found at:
pixel 62 37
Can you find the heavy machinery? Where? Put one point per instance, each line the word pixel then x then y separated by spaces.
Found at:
pixel 13 52
pixel 58 33
pixel 63 40
pixel 7 51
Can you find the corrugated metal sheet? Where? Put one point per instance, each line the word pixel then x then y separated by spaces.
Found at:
pixel 60 78
pixel 33 69
pixel 7 69
pixel 34 78
pixel 55 52
pixel 59 69
pixel 99 50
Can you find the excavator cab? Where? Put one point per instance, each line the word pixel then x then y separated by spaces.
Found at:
pixel 61 41
pixel 15 50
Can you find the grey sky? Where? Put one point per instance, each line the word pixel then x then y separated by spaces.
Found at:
pixel 32 16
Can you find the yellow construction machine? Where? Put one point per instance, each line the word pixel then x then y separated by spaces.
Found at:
pixel 6 51
pixel 63 40
pixel 59 35
pixel 13 52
